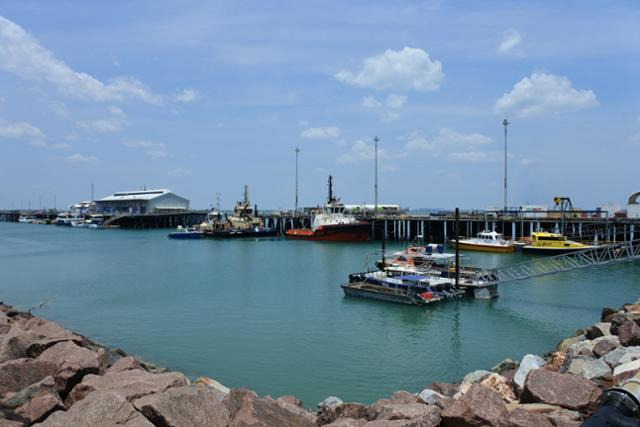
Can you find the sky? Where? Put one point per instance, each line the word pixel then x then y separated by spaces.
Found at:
pixel 205 97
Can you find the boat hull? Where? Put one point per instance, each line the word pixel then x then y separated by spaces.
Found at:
pixel 336 233
pixel 381 293
pixel 235 234
pixel 185 236
pixel 551 251
pixel 483 248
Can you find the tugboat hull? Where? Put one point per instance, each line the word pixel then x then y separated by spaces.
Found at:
pixel 336 233
pixel 234 234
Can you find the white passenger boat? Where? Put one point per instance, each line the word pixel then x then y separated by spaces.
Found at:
pixel 486 241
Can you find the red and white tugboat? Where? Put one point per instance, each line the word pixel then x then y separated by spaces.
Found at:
pixel 333 224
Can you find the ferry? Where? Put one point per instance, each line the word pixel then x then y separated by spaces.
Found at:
pixel 486 241
pixel 543 242
pixel 333 224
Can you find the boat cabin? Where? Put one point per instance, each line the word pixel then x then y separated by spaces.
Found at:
pixel 547 237
pixel 490 236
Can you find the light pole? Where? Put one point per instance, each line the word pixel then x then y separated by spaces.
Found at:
pixel 375 186
pixel 296 210
pixel 505 123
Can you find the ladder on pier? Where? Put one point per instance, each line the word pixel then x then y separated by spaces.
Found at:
pixel 608 254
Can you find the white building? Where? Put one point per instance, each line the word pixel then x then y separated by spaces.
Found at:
pixel 142 202
pixel 633 208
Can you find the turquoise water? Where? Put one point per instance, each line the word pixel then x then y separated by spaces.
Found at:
pixel 269 314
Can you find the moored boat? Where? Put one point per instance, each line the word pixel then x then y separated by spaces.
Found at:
pixel 384 293
pixel 185 233
pixel 486 241
pixel 542 242
pixel 332 224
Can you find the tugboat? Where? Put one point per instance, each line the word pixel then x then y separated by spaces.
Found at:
pixel 244 222
pixel 333 224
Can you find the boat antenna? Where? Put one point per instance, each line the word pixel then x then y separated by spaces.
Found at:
pixel 330 199
pixel 246 194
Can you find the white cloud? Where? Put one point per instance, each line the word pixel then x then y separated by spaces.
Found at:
pixel 329 132
pixel 471 157
pixel 116 111
pixel 179 172
pixel 22 55
pixel 19 130
pixel 371 102
pixel 445 139
pixel 79 158
pixel 396 101
pixel 544 93
pixel 154 150
pixel 510 41
pixel 100 125
pixel 406 69
pixel 365 151
pixel 186 95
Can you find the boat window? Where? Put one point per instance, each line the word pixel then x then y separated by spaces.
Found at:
pixel 552 238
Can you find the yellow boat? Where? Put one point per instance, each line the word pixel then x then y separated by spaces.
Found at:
pixel 543 242
pixel 486 241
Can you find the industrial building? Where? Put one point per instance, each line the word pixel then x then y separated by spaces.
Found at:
pixel 142 202
pixel 633 208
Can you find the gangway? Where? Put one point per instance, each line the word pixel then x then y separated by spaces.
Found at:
pixel 601 255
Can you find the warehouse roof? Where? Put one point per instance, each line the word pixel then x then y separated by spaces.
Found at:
pixel 135 195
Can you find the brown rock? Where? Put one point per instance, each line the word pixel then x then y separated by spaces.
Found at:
pixel 329 414
pixel 598 330
pixel 404 397
pixel 125 364
pixel 407 411
pixel 292 400
pixel 557 361
pixel 446 389
pixel 213 384
pixel 98 409
pixel 11 423
pixel 40 407
pixel 565 390
pixel 245 409
pixel 131 385
pixel 605 346
pixel 564 418
pixel 20 398
pixel 631 308
pixel 480 406
pixel 20 373
pixel 347 422
pixel 15 342
pixel 629 333
pixel 68 352
pixel 522 418
pixel 606 313
pixel 184 406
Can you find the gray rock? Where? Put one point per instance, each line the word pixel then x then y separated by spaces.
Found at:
pixel 184 406
pixel 329 401
pixel 591 369
pixel 431 397
pixel 622 355
pixel 581 348
pixel 564 344
pixel 98 409
pixel 475 376
pixel 625 371
pixel 329 414
pixel 131 385
pixel 529 362
pixel 520 417
pixel 506 365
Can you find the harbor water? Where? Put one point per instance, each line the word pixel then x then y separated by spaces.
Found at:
pixel 269 315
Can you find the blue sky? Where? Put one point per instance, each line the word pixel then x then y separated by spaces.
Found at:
pixel 204 98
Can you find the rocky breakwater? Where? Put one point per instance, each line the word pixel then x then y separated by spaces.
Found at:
pixel 50 376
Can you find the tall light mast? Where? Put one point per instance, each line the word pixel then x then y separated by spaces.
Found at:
pixel 295 212
pixel 505 123
pixel 375 207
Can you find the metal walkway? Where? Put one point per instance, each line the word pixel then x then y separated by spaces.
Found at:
pixel 625 251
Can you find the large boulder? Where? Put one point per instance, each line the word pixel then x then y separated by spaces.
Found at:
pixel 446 389
pixel 565 390
pixel 245 409
pixel 581 348
pixel 36 401
pixel 505 365
pixel 598 330
pixel 125 364
pixel 98 409
pixel 480 406
pixel 565 343
pixel 184 406
pixel 625 371
pixel 428 414
pixel 475 376
pixel 15 342
pixel 67 352
pixel 605 345
pixel 20 373
pixel 522 418
pixel 629 333
pixel 131 385
pixel 622 355
pixel 221 388
pixel 529 362
pixel 591 369
pixel 50 334
pixel 330 413
pixel 432 397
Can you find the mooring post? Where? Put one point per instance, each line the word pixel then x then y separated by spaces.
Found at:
pixel 457 245
pixel 384 263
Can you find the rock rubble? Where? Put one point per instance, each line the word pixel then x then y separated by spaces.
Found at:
pixel 50 376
